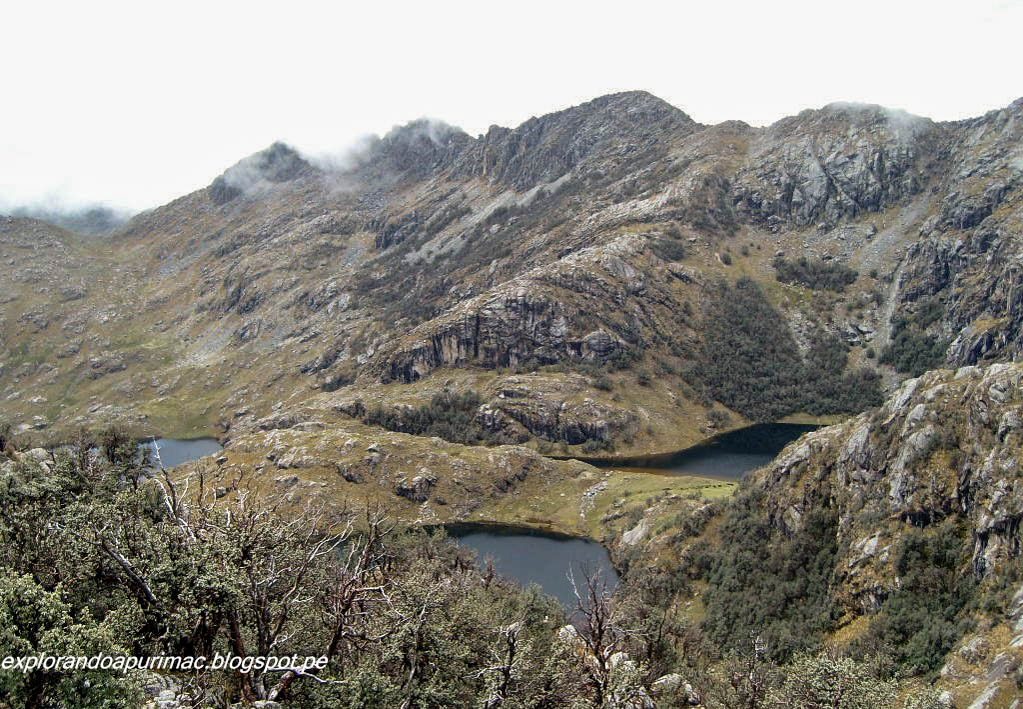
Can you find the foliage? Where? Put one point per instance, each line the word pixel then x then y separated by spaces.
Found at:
pixel 602 382
pixel 92 562
pixel 34 620
pixel 750 362
pixel 829 680
pixel 912 350
pixel 449 415
pixel 668 248
pixel 829 388
pixel 815 274
pixel 922 620
pixel 765 582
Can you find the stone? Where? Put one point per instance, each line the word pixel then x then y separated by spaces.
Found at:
pixel 417 489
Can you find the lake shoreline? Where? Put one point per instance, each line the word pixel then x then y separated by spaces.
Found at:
pixel 527 555
pixel 726 456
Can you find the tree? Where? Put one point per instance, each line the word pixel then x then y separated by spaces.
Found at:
pixel 33 621
pixel 829 680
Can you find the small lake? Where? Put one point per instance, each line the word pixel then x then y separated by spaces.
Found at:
pixel 177 451
pixel 527 556
pixel 726 456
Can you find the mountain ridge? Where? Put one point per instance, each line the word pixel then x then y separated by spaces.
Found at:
pixel 441 325
pixel 588 239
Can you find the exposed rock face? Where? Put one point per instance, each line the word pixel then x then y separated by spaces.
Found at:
pixel 828 165
pixel 278 163
pixel 418 487
pixel 585 239
pixel 515 408
pixel 970 256
pixel 421 147
pixel 522 402
pixel 946 445
pixel 628 126
pixel 502 332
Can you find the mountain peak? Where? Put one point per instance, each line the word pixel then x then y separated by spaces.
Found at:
pixel 420 146
pixel 604 130
pixel 275 164
pixel 639 100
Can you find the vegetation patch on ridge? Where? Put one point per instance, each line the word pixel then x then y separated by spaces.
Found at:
pixel 750 362
pixel 816 274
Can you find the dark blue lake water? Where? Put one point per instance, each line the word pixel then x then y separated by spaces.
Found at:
pixel 534 557
pixel 175 451
pixel 729 456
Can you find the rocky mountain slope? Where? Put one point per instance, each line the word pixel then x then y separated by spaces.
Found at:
pixel 414 326
pixel 900 526
pixel 895 533
pixel 941 458
pixel 562 270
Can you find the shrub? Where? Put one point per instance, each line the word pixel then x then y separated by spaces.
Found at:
pixel 668 249
pixel 449 415
pixel 719 418
pixel 829 680
pixel 922 620
pixel 816 274
pixel 749 361
pixel 913 352
pixel 594 445
pixel 828 387
pixel 763 582
pixel 603 382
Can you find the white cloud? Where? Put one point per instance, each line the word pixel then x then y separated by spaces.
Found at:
pixel 121 102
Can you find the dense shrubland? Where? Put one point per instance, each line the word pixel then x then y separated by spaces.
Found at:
pixel 782 583
pixel 815 274
pixel 750 362
pixel 448 415
pixel 97 556
pixel 760 579
pixel 921 622
pixel 912 349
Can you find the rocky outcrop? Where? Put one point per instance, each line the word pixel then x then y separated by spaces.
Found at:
pixel 970 256
pixel 278 163
pixel 506 329
pixel 945 445
pixel 416 488
pixel 418 149
pixel 836 163
pixel 605 132
pixel 522 404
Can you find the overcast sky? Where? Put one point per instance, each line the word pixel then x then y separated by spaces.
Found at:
pixel 135 103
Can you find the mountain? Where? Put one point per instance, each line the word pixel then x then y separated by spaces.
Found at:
pixel 567 272
pixel 893 534
pixel 91 220
pixel 420 325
